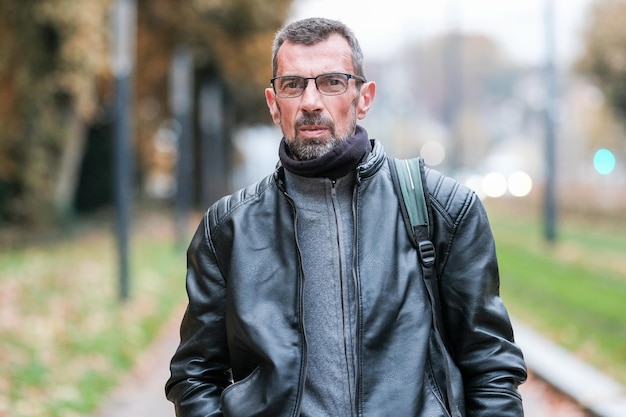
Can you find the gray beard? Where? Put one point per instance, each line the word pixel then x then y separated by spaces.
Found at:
pixel 305 150
pixel 313 149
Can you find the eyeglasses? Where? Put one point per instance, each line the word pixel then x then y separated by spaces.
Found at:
pixel 333 84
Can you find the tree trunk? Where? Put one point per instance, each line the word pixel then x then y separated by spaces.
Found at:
pixel 69 168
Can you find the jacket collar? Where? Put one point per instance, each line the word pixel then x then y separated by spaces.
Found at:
pixel 373 162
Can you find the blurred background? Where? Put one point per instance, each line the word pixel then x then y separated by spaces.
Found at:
pixel 121 121
pixel 476 87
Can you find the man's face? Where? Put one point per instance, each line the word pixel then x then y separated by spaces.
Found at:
pixel 314 123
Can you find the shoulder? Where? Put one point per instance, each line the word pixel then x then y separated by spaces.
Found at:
pixel 227 205
pixel 448 197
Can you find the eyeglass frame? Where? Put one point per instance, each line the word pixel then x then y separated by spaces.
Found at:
pixel 357 78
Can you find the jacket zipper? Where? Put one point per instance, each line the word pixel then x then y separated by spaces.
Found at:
pixel 349 353
pixel 357 298
pixel 303 365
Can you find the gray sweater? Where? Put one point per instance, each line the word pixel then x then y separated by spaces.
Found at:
pixel 325 231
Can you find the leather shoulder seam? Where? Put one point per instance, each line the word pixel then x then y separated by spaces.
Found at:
pixel 227 204
pixel 448 197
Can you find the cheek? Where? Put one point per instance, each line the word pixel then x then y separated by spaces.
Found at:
pixel 287 114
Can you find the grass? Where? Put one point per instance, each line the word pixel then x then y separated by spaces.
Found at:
pixel 572 290
pixel 65 337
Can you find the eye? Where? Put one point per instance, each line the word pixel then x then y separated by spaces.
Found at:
pixel 291 83
pixel 332 80
pixel 332 84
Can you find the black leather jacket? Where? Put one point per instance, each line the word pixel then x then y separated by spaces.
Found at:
pixel 244 319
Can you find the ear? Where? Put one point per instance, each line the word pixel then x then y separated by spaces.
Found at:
pixel 270 99
pixel 367 94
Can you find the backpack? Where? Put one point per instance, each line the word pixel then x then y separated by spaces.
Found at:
pixel 409 180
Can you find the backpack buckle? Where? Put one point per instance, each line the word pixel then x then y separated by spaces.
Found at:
pixel 427 253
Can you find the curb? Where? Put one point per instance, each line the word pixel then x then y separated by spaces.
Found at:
pixel 594 391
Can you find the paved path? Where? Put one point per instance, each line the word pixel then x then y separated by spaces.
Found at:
pixel 142 393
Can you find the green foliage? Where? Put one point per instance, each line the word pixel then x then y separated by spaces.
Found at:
pixel 573 291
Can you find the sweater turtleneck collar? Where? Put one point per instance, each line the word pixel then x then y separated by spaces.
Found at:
pixel 334 164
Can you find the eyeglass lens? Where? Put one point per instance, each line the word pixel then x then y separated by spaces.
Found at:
pixel 328 84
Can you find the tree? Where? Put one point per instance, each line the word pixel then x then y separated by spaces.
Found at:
pixel 55 81
pixel 54 57
pixel 604 56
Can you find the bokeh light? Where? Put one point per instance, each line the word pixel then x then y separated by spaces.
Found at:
pixel 433 153
pixel 520 184
pixel 604 161
pixel 494 184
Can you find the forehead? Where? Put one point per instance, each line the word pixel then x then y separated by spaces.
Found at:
pixel 330 55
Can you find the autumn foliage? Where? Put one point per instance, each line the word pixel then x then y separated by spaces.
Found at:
pixel 604 57
pixel 56 83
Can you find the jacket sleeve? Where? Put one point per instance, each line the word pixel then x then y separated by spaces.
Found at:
pixel 478 327
pixel 200 368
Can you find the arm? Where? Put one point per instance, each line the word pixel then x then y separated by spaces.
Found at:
pixel 477 323
pixel 200 368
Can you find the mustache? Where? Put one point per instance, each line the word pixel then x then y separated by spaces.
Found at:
pixel 313 119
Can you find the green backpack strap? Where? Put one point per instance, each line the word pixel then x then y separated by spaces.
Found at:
pixel 410 181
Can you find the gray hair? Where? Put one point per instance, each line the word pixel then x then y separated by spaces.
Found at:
pixel 313 30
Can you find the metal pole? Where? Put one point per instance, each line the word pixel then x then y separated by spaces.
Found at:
pixel 453 61
pixel 213 145
pixel 181 103
pixel 124 31
pixel 550 210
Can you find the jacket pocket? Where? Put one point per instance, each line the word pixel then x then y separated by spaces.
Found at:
pixel 445 378
pixel 260 394
pixel 238 399
pixel 435 396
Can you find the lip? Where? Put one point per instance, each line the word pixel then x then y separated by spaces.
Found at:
pixel 313 130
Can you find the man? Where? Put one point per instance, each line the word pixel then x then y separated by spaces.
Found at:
pixel 305 294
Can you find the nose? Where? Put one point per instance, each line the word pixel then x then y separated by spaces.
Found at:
pixel 311 97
